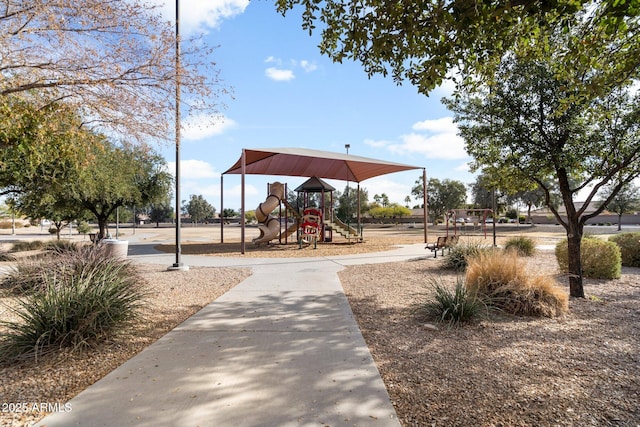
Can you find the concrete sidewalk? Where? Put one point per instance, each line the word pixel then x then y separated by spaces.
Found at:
pixel 282 348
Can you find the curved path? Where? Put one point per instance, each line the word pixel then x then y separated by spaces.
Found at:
pixel 282 348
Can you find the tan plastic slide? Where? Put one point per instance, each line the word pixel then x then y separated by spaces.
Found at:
pixel 269 225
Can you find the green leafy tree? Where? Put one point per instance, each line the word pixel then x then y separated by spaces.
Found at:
pixel 421 42
pixel 381 199
pixel 348 203
pixel 159 212
pixel 120 176
pixel 393 210
pixel 199 209
pixel 530 128
pixel 626 200
pixel 39 146
pixel 229 213
pixel 442 196
pixel 45 204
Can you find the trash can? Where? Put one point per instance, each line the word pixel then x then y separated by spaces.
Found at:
pixel 116 248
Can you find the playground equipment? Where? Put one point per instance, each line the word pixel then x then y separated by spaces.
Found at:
pixel 311 227
pixel 269 225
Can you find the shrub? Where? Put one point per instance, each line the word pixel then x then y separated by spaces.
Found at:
pixel 502 279
pixel 5 256
pixel 600 259
pixel 452 306
pixel 458 257
pixel 83 228
pixel 523 245
pixel 629 244
pixel 74 307
pixel 60 246
pixel 27 246
pixel 7 225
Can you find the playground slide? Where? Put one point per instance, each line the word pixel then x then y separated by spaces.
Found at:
pixel 269 225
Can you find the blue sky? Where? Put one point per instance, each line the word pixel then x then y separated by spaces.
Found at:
pixel 285 94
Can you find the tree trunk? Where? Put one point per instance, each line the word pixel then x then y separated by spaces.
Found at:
pixel 620 222
pixel 103 228
pixel 574 240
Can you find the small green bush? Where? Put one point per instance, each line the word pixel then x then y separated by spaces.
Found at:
pixel 458 258
pixel 452 306
pixel 629 244
pixel 600 259
pixel 83 228
pixel 73 307
pixel 523 245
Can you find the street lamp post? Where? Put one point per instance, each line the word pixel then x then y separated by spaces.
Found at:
pixel 347 146
pixel 178 265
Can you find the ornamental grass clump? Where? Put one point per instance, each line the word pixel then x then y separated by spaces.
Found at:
pixel 459 255
pixel 74 305
pixel 523 245
pixel 452 306
pixel 629 244
pixel 600 259
pixel 502 279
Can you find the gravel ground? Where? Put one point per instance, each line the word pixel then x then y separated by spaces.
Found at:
pixel 579 370
pixel 174 297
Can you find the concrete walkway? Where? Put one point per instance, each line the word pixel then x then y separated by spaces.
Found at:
pixel 282 348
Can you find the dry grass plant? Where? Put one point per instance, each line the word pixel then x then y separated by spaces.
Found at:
pixel 502 277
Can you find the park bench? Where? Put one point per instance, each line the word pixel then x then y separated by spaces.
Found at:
pixel 443 242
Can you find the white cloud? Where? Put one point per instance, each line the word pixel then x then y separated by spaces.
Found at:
pixel 434 139
pixel 442 125
pixel 308 66
pixel 201 15
pixel 396 191
pixel 377 144
pixel 204 126
pixel 278 74
pixel 194 169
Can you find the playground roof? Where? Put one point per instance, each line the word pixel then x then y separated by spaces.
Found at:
pixel 314 184
pixel 306 162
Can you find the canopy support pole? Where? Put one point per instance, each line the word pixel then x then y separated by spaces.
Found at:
pixel 221 209
pixel 244 171
pixel 424 204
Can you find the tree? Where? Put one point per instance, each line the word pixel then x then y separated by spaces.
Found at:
pixel 199 209
pixel 112 61
pixel 348 203
pixel 45 204
pixel 229 213
pixel 161 211
pixel 124 175
pixel 392 210
pixel 626 200
pixel 38 146
pixel 441 195
pixel 422 42
pixel 530 128
pixel 381 199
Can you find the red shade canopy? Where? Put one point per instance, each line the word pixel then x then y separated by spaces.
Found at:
pixel 305 162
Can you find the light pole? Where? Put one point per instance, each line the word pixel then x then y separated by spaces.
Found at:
pixel 347 146
pixel 178 265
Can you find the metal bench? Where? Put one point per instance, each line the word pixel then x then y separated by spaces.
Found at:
pixel 443 242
